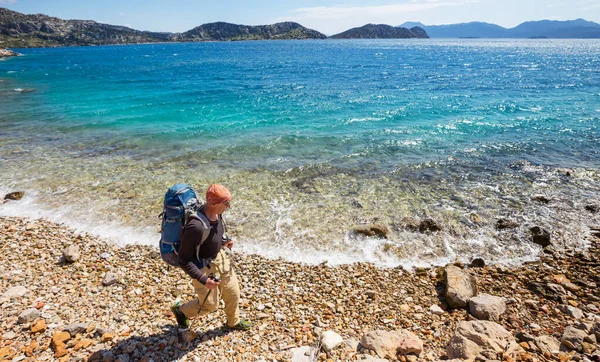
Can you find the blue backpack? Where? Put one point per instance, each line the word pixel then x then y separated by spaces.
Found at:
pixel 180 204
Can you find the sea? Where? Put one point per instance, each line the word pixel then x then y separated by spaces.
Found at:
pixel 314 138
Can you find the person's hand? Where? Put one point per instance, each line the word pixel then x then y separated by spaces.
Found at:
pixel 211 284
pixel 229 244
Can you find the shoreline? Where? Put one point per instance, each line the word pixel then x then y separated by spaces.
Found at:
pixel 290 304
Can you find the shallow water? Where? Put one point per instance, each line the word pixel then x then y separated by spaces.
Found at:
pixel 313 137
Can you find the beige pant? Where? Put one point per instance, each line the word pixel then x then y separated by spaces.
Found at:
pixel 228 290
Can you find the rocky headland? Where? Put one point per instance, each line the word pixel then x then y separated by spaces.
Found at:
pixel 68 296
pixel 23 31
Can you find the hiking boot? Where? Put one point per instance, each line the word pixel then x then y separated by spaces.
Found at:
pixel 181 318
pixel 243 325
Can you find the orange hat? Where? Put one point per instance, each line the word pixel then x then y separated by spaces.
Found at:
pixel 217 194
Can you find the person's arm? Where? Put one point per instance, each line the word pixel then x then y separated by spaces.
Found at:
pixel 190 240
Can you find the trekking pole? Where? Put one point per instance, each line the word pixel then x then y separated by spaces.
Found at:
pixel 214 278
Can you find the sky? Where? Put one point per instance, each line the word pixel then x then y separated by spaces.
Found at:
pixel 327 16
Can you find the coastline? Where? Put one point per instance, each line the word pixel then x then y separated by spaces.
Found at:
pixel 290 304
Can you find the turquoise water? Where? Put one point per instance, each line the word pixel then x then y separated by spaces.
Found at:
pixel 313 137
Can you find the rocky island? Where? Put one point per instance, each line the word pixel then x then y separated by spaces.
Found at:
pixel 382 31
pixel 4 53
pixel 23 31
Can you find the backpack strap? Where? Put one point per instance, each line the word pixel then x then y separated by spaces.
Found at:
pixel 205 228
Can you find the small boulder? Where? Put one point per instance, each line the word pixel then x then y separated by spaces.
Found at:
pixel 429 225
pixel 303 354
pixel 14 292
pixel 571 311
pixel 572 338
pixel 436 309
pixel 330 340
pixel 596 330
pixel 389 344
pixel 471 338
pixel 71 253
pixel 460 286
pixel 17 195
pixel 487 307
pixel 74 329
pixel 373 230
pixel 502 224
pixel 110 279
pixel 39 326
pixel 477 263
pixel 28 315
pixel 547 344
pixel 540 236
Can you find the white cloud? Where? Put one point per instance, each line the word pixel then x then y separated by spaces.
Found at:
pixel 7 2
pixel 122 14
pixel 331 19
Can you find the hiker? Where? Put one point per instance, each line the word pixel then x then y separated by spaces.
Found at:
pixel 202 260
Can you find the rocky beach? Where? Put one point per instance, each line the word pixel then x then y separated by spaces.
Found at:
pixel 69 296
pixel 5 53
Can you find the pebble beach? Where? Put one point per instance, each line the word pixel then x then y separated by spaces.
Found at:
pixel 69 296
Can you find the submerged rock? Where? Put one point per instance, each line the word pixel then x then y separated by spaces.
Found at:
pixel 540 236
pixel 16 195
pixel 373 230
pixel 429 225
pixel 502 224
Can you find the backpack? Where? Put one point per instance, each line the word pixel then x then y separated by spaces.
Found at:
pixel 179 205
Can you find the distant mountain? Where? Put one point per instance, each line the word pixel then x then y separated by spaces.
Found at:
pixel 579 28
pixel 381 31
pixel 21 31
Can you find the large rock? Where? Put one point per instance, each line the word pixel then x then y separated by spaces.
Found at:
pixel 471 338
pixel 573 337
pixel 389 344
pixel 330 340
pixel 17 195
pixel 28 315
pixel 540 236
pixel 460 286
pixel 303 354
pixel 14 292
pixel 547 344
pixel 596 330
pixel 488 307
pixel 374 230
pixel 71 253
pixel 571 311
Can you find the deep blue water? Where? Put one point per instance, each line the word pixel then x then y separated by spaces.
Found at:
pixel 343 131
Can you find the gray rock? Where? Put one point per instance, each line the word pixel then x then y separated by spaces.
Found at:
pixel 571 311
pixel 541 198
pixel 71 253
pixel 387 344
pixel 547 344
pixel 436 309
pixel 14 292
pixel 110 279
pixel 475 336
pixel 596 330
pixel 573 337
pixel 303 354
pixel 460 286
pixel 76 328
pixel 9 335
pixel 540 236
pixel 28 315
pixel 488 307
pixel 330 340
